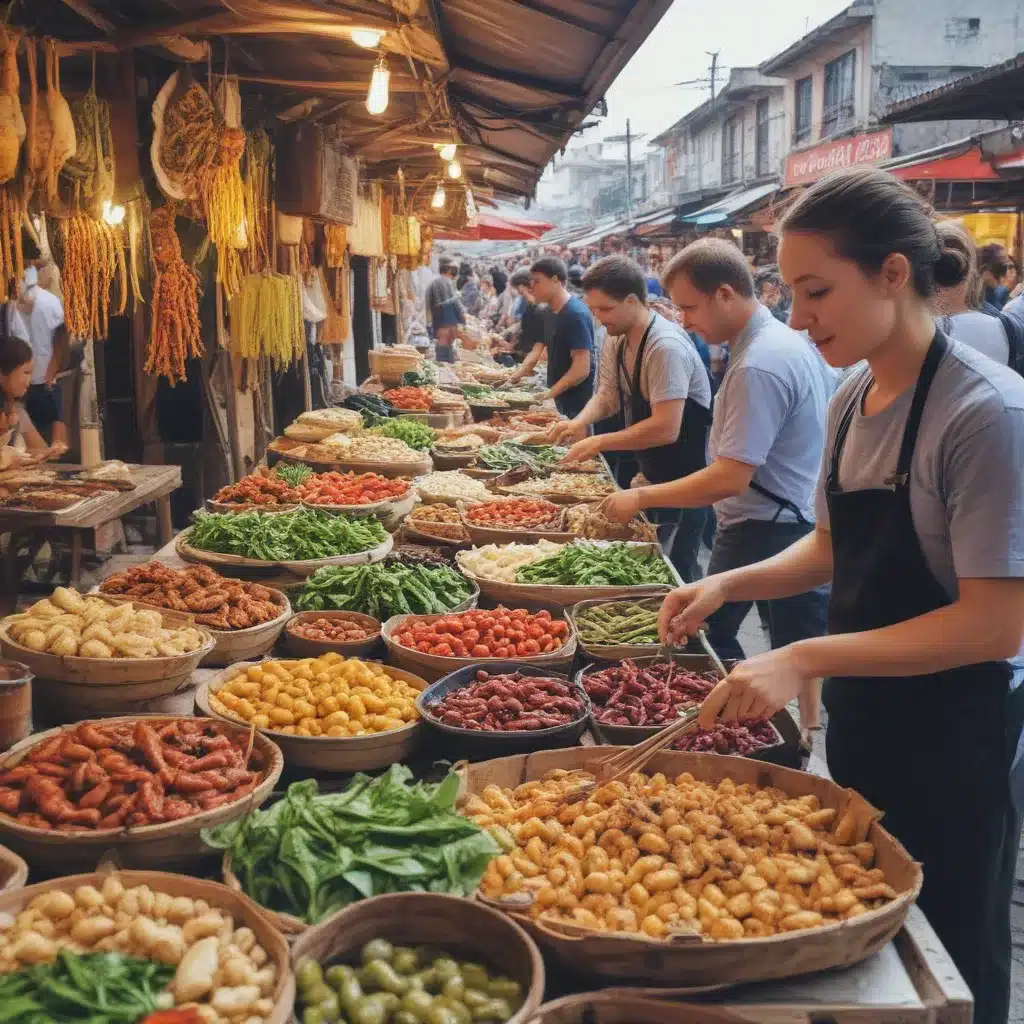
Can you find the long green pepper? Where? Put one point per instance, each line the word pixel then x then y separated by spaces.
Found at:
pixel 591 565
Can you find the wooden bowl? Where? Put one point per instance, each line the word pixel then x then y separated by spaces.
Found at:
pixel 626 957
pixel 242 909
pixel 467 929
pixel 174 843
pixel 300 647
pixel 351 754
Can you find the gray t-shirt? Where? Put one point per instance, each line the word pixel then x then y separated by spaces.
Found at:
pixel 671 371
pixel 770 414
pixel 980 331
pixel 966 479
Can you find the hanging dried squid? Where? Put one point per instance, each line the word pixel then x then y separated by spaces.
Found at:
pixel 175 330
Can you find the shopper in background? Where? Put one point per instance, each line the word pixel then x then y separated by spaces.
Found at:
pixel 471 295
pixel 445 311
pixel 651 373
pixel 765 444
pixel 993 263
pixel 536 322
pixel 771 292
pixel 958 308
pixel 570 349
pixel 920 505
pixel 653 279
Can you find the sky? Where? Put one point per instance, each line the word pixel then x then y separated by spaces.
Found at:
pixel 745 32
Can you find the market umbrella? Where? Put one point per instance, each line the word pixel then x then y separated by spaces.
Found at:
pixel 492 227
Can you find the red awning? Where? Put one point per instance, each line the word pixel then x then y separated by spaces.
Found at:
pixel 966 165
pixel 490 227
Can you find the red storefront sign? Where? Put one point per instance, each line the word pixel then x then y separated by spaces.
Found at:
pixel 811 164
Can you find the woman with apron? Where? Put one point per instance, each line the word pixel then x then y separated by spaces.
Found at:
pixel 661 388
pixel 920 528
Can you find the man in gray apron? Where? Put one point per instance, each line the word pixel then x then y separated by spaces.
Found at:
pixel 650 372
pixel 766 439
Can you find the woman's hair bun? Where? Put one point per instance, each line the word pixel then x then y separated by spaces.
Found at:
pixel 953 264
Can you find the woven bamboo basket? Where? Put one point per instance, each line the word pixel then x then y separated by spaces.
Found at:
pixel 555 497
pixel 390 366
pixel 244 644
pixel 466 929
pixel 614 652
pixel 390 512
pixel 691 961
pixel 13 871
pixel 433 666
pixel 342 465
pixel 452 460
pixel 238 565
pixel 300 647
pixel 231 506
pixel 414 532
pixel 535 595
pixel 481 535
pixel 174 843
pixel 242 909
pixel 326 754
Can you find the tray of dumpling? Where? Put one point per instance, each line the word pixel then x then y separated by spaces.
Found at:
pixel 107 643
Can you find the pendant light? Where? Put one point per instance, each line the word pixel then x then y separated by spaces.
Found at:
pixel 439 197
pixel 455 170
pixel 449 151
pixel 377 97
pixel 367 38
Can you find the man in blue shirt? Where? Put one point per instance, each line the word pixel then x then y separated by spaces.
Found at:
pixel 570 346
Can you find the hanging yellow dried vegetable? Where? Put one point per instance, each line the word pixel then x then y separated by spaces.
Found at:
pixel 175 331
pixel 223 197
pixel 258 155
pixel 337 243
pixel 12 209
pixel 266 319
pixel 93 257
pixel 12 121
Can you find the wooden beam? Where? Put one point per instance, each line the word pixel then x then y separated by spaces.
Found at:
pixel 398 84
pixel 176 44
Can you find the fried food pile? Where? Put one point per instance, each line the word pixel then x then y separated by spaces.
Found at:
pixel 70 625
pixel 100 775
pixel 661 856
pixel 216 602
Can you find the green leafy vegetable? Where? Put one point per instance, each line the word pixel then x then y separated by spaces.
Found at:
pixel 593 565
pixel 299 535
pixel 311 854
pixel 98 988
pixel 383 590
pixel 420 378
pixel 292 473
pixel 510 455
pixel 413 432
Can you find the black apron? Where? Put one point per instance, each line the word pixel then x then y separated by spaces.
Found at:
pixel 933 752
pixel 688 452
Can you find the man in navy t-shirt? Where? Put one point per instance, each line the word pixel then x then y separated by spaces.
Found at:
pixel 570 347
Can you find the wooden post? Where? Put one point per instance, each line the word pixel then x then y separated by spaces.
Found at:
pixel 227 377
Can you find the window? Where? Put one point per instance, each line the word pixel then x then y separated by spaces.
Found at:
pixel 731 142
pixel 839 107
pixel 962 28
pixel 762 152
pixel 802 112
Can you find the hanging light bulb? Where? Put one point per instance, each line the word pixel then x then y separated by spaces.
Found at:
pixel 113 215
pixel 455 170
pixel 368 38
pixel 377 97
pixel 439 197
pixel 448 152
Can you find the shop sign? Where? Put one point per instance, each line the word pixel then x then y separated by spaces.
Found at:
pixel 810 164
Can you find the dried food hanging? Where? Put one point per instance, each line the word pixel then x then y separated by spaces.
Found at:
pixel 12 209
pixel 91 169
pixel 222 195
pixel 258 157
pixel 12 121
pixel 175 331
pixel 93 257
pixel 266 319
pixel 60 140
pixel 336 244
pixel 190 135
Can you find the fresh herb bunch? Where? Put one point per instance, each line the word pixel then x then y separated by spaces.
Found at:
pixel 101 988
pixel 510 455
pixel 593 565
pixel 312 854
pixel 413 432
pixel 293 473
pixel 384 590
pixel 299 535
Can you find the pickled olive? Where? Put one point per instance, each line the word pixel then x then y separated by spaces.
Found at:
pixel 493 1009
pixel 405 960
pixel 350 992
pixel 417 1002
pixel 388 1000
pixel 317 994
pixel 474 997
pixel 405 1017
pixel 330 1007
pixel 445 967
pixel 474 975
pixel 307 974
pixel 335 975
pixel 441 1015
pixel 366 1011
pixel 506 988
pixel 380 974
pixel 428 979
pixel 377 949
pixel 311 1015
pixel 454 987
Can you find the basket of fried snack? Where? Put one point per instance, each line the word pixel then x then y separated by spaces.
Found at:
pixel 702 870
pixel 244 618
pixel 436 523
pixel 588 522
pixel 101 654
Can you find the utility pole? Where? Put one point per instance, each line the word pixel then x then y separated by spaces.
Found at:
pixel 714 69
pixel 629 173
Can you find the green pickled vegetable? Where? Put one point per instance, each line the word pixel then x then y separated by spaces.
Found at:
pixel 584 564
pixel 412 431
pixel 620 622
pixel 299 535
pixel 510 455
pixel 383 590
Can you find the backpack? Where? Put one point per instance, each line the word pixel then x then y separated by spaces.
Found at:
pixel 1015 338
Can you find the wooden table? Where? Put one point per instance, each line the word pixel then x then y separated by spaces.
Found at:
pixel 153 484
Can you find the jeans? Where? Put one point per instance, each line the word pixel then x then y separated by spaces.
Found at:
pixel 790 618
pixel 688 527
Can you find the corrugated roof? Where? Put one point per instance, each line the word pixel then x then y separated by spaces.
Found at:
pixel 722 211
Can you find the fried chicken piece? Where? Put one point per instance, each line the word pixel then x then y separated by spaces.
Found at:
pixel 218 620
pixel 239 619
